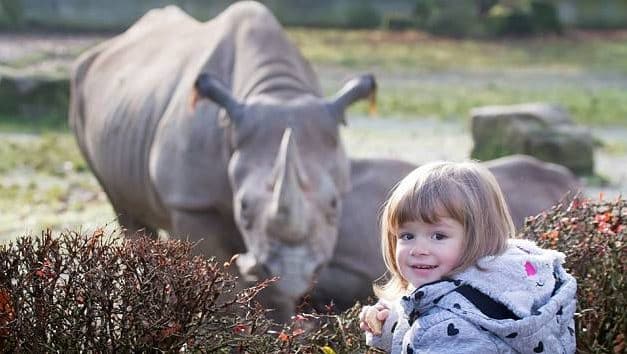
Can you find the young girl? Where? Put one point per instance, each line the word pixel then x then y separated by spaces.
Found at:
pixel 458 282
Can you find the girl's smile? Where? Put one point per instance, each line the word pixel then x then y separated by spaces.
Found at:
pixel 428 252
pixel 422 271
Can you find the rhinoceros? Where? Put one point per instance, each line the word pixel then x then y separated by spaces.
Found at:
pixel 219 131
pixel 529 185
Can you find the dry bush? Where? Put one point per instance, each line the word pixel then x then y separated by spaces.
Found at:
pixel 98 293
pixel 592 235
pixel 101 294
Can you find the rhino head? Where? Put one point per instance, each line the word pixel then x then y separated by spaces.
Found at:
pixel 288 171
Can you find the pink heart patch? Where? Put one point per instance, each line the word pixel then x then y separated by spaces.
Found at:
pixel 530 269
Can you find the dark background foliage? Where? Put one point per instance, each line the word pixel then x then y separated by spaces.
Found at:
pixel 448 17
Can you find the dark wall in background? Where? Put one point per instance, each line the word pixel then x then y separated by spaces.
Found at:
pixel 115 15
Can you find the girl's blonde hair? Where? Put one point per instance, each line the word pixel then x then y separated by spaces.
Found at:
pixel 466 192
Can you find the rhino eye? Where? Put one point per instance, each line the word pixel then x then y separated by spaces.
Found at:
pixel 243 205
pixel 331 215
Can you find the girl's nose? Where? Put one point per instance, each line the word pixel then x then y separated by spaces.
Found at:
pixel 419 249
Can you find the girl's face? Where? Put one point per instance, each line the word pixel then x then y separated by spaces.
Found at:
pixel 428 252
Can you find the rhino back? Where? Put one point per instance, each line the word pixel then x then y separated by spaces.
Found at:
pixel 124 88
pixel 531 185
pixel 266 61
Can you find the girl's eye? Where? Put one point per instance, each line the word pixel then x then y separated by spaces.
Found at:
pixel 406 236
pixel 438 236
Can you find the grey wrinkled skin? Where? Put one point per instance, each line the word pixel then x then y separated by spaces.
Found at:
pixel 218 131
pixel 529 185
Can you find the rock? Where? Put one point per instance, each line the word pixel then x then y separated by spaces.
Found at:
pixel 542 130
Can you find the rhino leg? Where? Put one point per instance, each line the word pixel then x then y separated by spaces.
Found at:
pixel 341 286
pixel 215 233
pixel 282 308
pixel 133 227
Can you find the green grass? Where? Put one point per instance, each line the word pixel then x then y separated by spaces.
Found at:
pixel 29 60
pixel 607 106
pixel 419 52
pixel 44 183
pixel 490 72
pixel 615 148
pixel 572 72
pixel 41 124
pixel 50 154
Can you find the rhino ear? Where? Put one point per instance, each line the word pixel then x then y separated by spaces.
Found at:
pixel 209 87
pixel 364 86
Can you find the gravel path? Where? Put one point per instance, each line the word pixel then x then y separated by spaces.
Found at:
pixel 16 46
pixel 20 50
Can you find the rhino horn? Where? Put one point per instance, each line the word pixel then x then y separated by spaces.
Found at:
pixel 287 194
pixel 364 86
pixel 207 86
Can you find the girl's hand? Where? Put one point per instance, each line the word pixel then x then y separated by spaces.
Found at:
pixel 371 318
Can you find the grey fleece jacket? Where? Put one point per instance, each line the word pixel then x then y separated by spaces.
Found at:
pixel 525 304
